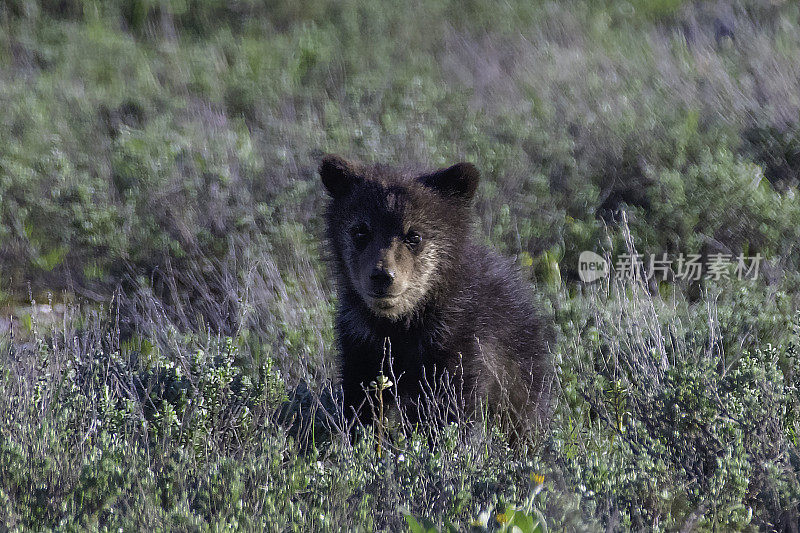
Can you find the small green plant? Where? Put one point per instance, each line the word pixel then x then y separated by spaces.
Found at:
pixel 380 384
pixel 524 518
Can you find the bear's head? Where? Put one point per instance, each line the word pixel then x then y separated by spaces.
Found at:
pixel 396 235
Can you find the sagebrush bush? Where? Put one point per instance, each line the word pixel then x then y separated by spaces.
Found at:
pixel 157 174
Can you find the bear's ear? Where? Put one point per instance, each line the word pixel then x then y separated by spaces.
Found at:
pixel 459 181
pixel 338 175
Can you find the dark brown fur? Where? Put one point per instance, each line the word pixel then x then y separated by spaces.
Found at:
pixel 423 303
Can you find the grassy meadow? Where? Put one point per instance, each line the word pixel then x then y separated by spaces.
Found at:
pixel 167 357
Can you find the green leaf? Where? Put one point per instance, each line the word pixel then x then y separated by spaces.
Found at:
pixel 528 523
pixel 524 522
pixel 426 526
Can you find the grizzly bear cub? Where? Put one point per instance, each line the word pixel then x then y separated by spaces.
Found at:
pixel 423 304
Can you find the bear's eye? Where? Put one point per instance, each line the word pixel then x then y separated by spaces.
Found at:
pixel 360 233
pixel 413 239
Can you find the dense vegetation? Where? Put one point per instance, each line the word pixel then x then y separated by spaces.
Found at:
pixel 160 256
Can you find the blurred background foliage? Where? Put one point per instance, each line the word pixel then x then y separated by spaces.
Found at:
pixel 163 153
pixel 134 131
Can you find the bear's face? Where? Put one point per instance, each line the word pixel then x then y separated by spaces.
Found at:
pixel 394 234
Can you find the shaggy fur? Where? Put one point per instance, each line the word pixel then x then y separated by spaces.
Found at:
pixel 423 303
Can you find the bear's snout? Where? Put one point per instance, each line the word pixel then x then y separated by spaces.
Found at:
pixel 381 280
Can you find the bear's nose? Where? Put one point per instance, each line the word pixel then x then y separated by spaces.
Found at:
pixel 381 279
